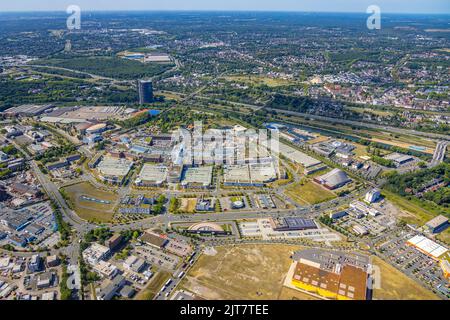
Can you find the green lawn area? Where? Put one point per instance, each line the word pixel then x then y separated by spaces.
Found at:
pixel 445 236
pixel 109 66
pixel 89 210
pixel 260 80
pixel 309 193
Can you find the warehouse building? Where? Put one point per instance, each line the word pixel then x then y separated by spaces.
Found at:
pixel 427 246
pixel 339 214
pixel 112 289
pixel 331 275
pixel 292 224
pixel 297 156
pixel 399 159
pixel 154 239
pixel 113 170
pixel 197 177
pixel 437 224
pixel 334 179
pixel 372 196
pixel 250 175
pixel 27 110
pixel 152 175
pixel 96 128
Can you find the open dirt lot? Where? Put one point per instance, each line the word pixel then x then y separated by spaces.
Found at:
pixel 241 272
pixel 188 205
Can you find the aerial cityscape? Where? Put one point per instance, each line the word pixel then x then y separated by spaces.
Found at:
pixel 224 155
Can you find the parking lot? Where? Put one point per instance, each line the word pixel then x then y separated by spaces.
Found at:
pixel 158 258
pixel 413 262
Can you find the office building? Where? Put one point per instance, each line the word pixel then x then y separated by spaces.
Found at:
pixel 145 89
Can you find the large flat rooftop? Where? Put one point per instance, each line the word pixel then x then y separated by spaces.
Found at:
pixel 153 173
pixel 198 175
pixel 114 167
pixel 84 114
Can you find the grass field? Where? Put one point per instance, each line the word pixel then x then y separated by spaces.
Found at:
pixel 153 286
pixel 91 210
pixel 445 236
pixel 401 144
pixel 370 110
pixel 170 95
pixel 309 193
pixel 260 80
pixel 418 215
pixel 241 272
pixel 360 150
pixel 397 286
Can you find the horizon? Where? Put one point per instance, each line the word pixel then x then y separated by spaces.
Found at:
pixel 222 10
pixel 307 6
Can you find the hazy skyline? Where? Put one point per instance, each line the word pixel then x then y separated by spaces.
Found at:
pixel 387 6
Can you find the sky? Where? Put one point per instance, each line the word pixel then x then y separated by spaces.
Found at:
pixel 387 6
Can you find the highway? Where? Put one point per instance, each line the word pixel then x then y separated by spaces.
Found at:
pixel 364 124
pixel 342 121
pixel 439 153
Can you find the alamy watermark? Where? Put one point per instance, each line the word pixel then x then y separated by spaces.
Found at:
pixel 74 20
pixel 374 20
pixel 237 145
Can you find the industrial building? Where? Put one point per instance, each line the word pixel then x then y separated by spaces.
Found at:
pixel 111 290
pixel 94 114
pixel 334 179
pixel 27 110
pixel 152 175
pixel 292 224
pixel 339 214
pixel 154 239
pixel 372 196
pixel 96 128
pixel 297 156
pixel 360 230
pixel 360 208
pixel 197 177
pixel 133 263
pixel 437 224
pixel 399 159
pixel 331 275
pixel 113 170
pixel 250 175
pixel 427 246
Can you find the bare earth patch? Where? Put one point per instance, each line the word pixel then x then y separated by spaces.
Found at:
pixel 241 272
